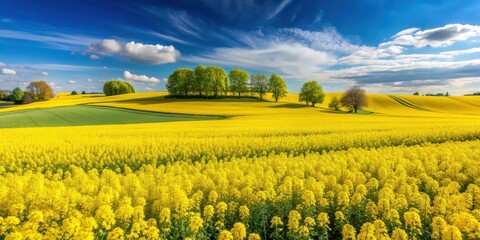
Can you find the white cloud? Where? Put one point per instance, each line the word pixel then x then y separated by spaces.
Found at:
pixel 461 52
pixel 106 46
pixel 44 73
pixel 72 81
pixel 151 54
pixel 140 78
pixel 89 80
pixel 2 64
pixel 94 57
pixel 436 37
pixel 136 52
pixel 407 31
pixel 392 52
pixel 7 71
pixel 52 83
pixel 283 58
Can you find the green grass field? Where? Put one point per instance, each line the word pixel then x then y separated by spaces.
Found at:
pixel 87 115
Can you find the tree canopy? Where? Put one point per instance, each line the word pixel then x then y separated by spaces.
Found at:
pixel 311 92
pixel 354 98
pixel 214 81
pixel 277 86
pixel 335 103
pixel 181 82
pixel 116 87
pixel 200 83
pixel 218 80
pixel 259 84
pixel 17 95
pixel 238 81
pixel 40 90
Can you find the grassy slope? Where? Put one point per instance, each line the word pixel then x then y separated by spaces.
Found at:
pixel 85 115
pixel 378 103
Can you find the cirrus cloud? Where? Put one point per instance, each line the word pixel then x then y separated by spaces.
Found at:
pixel 283 58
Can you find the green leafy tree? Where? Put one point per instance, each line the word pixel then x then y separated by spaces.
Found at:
pixel 40 90
pixel 116 87
pixel 200 82
pixel 218 80
pixel 335 103
pixel 238 81
pixel 74 93
pixel 180 82
pixel 311 93
pixel 277 86
pixel 259 84
pixel 354 98
pixel 17 95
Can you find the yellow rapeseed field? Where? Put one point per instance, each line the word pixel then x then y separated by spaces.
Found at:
pixel 268 171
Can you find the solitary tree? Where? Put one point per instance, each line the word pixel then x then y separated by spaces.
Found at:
pixel 277 86
pixel 83 92
pixel 180 82
pixel 74 93
pixel 354 98
pixel 200 83
pixel 17 95
pixel 40 90
pixel 116 87
pixel 259 84
pixel 415 93
pixel 334 103
pixel 238 81
pixel 311 92
pixel 218 80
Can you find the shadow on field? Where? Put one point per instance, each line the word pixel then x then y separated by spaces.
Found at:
pixel 163 99
pixel 6 104
pixel 288 105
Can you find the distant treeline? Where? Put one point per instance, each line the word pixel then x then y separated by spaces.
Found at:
pixel 213 81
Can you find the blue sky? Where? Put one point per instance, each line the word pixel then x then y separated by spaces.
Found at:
pixel 384 46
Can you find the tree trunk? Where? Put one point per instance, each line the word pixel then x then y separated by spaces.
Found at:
pixel 238 94
pixel 355 108
pixel 313 104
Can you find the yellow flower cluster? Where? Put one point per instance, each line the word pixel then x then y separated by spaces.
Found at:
pixel 250 179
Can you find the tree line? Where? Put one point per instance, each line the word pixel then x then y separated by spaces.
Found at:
pixel 35 91
pixel 213 81
pixel 353 99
